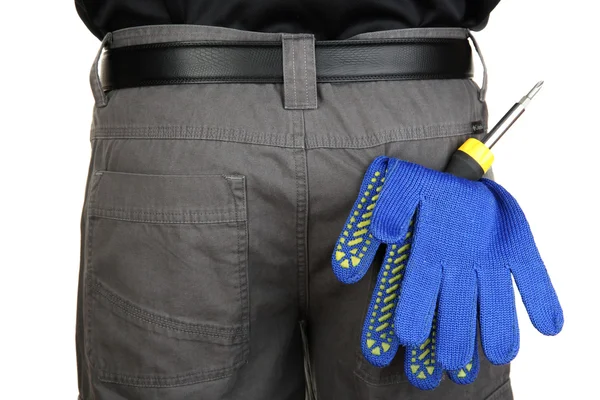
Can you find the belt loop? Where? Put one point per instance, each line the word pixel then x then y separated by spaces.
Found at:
pixel 483 90
pixel 99 95
pixel 299 71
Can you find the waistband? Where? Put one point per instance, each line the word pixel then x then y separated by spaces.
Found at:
pixel 155 34
pixel 163 54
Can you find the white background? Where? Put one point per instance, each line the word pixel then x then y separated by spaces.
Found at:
pixel 547 160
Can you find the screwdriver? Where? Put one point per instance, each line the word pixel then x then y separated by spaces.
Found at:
pixel 473 159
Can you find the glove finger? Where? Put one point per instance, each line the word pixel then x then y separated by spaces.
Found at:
pixel 419 295
pixel 424 372
pixel 379 343
pixel 539 298
pixel 498 315
pixel 398 202
pixel 457 316
pixel 420 364
pixel 526 264
pixel 468 373
pixel 356 247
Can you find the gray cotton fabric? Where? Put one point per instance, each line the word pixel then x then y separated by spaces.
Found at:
pixel 210 215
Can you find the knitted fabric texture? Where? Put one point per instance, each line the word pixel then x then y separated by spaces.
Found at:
pixel 451 248
pixel 352 257
pixel 468 238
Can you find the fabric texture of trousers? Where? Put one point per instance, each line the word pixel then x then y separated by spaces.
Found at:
pixel 210 215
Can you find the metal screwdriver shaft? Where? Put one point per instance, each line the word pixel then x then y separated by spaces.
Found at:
pixel 510 117
pixel 474 158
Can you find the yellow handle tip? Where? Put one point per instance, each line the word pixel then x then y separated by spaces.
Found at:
pixel 478 152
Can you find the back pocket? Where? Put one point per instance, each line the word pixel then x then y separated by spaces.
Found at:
pixel 166 296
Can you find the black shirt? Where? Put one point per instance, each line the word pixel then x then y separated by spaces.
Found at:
pixel 326 19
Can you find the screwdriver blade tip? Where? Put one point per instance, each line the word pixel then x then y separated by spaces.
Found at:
pixel 527 98
pixel 535 89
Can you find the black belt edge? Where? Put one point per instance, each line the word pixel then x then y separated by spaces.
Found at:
pixel 169 63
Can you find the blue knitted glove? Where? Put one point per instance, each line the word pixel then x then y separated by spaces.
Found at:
pixel 354 253
pixel 469 237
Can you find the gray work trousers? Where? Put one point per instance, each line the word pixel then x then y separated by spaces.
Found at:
pixel 210 216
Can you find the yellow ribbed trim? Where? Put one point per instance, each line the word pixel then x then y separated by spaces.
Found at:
pixel 478 152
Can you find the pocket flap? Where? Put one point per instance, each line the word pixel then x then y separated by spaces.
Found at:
pixel 167 198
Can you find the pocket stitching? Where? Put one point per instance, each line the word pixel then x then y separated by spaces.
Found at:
pixel 242 239
pixel 172 380
pixel 135 311
pixel 100 214
pixel 361 372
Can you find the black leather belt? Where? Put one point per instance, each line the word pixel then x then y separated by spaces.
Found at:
pixel 261 62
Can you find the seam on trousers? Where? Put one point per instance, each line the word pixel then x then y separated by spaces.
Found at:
pixel 312 388
pixel 504 389
pixel 306 213
pixel 301 207
pixel 373 139
pixel 302 243
pixel 400 134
